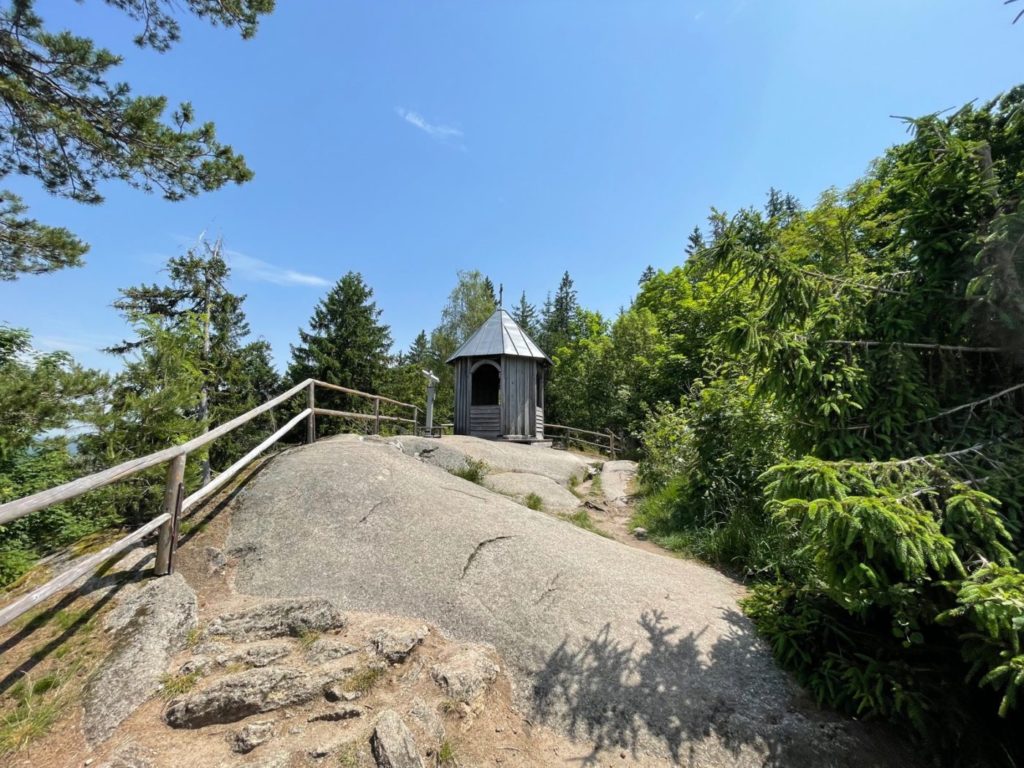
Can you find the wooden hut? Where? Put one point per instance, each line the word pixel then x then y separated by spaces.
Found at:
pixel 499 382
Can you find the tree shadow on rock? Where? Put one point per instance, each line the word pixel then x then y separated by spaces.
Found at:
pixel 669 693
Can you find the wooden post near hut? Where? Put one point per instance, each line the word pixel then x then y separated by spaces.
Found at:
pixel 376 415
pixel 165 545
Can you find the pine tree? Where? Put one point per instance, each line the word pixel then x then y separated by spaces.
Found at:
pixel 346 343
pixel 66 123
pixel 647 275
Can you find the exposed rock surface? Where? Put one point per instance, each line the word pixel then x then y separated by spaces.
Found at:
pixel 519 485
pixel 392 743
pixel 395 644
pixel 252 736
pixel 240 695
pixel 611 644
pixel 452 451
pixel 617 479
pixel 328 649
pixel 149 626
pixel 281 618
pixel 465 672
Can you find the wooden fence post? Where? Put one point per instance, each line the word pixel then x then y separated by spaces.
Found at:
pixel 416 421
pixel 311 419
pixel 376 415
pixel 173 493
pixel 611 444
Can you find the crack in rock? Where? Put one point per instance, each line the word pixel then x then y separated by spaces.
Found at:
pixel 476 551
pixel 551 588
pixel 373 509
pixel 465 493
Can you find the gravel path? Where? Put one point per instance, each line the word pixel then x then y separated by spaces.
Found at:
pixel 627 650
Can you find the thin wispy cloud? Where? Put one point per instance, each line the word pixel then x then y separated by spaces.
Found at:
pixel 83 343
pixel 433 130
pixel 250 268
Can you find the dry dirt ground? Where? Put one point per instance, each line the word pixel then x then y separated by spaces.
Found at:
pixel 608 655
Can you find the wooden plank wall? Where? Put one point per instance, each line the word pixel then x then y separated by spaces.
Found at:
pixel 540 423
pixel 462 395
pixel 485 420
pixel 519 395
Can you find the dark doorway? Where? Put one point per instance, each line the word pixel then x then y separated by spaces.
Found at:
pixel 486 385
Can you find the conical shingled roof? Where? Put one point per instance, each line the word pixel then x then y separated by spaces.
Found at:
pixel 500 335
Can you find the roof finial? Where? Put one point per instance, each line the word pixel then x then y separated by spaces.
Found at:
pixel 501 294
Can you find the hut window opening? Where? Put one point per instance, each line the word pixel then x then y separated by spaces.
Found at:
pixel 486 385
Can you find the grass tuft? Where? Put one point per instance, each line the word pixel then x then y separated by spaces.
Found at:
pixel 39 705
pixel 581 519
pixel 474 471
pixel 176 685
pixel 533 501
pixel 363 680
pixel 307 637
pixel 446 754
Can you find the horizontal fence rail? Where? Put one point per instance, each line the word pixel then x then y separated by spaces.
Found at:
pixel 603 441
pixel 166 523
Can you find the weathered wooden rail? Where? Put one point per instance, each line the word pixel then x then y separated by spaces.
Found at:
pixel 603 441
pixel 175 502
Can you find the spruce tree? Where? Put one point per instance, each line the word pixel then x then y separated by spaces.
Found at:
pixel 525 314
pixel 559 321
pixel 346 344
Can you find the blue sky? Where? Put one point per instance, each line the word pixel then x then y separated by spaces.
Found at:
pixel 408 140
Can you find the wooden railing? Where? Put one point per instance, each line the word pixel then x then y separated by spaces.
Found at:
pixel 175 502
pixel 606 442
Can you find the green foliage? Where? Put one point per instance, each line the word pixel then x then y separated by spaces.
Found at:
pixel 68 125
pixel 850 429
pixel 534 502
pixel 474 471
pixel 581 519
pixel 346 344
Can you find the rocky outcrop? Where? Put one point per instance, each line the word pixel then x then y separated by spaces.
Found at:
pixel 281 618
pixel 234 697
pixel 392 744
pixel 148 626
pixel 520 485
pixel 465 672
pixel 395 644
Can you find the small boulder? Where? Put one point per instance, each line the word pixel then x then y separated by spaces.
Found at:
pixel 464 673
pixel 238 696
pixel 395 645
pixel 640 534
pixel 336 692
pixel 280 618
pixel 251 736
pixel 392 744
pixel 429 722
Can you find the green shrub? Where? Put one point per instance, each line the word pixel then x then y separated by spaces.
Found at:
pixel 533 501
